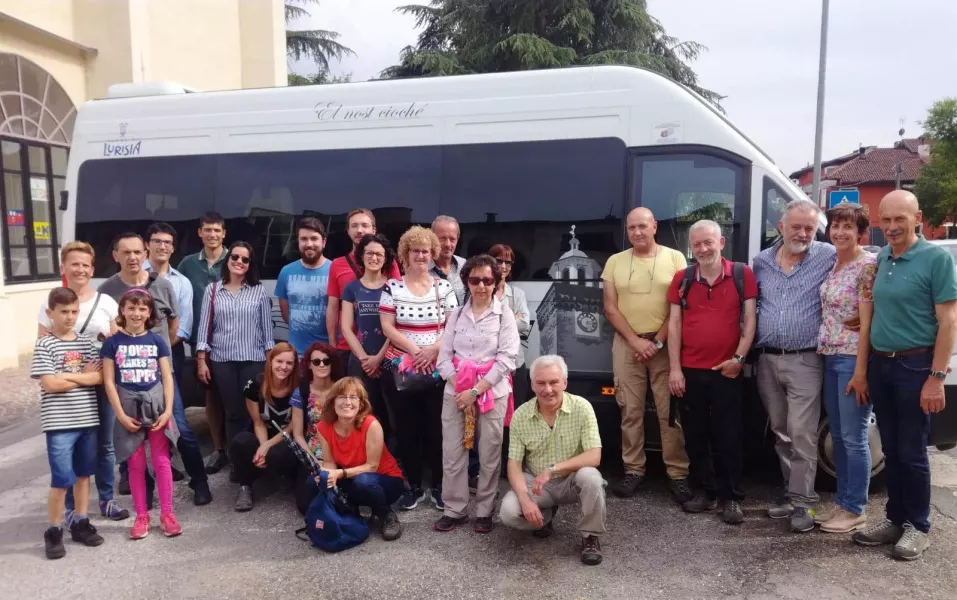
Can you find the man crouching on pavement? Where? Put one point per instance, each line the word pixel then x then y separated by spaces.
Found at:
pixel 555 438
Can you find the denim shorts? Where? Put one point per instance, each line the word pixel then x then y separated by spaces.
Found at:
pixel 72 454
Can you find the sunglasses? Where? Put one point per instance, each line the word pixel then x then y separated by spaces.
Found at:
pixel 503 261
pixel 238 258
pixel 321 362
pixel 488 281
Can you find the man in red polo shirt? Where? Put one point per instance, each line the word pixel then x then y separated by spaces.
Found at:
pixel 344 270
pixel 706 301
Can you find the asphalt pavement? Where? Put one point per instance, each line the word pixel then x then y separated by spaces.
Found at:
pixel 652 550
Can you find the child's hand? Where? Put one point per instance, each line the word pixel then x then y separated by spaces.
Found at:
pixel 161 422
pixel 128 423
pixel 94 366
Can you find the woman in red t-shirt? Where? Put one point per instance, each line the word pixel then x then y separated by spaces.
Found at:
pixel 355 456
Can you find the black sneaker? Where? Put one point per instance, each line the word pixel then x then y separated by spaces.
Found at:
pixel 591 550
pixel 84 532
pixel 53 542
pixel 549 528
pixel 391 528
pixel 447 523
pixel 483 525
pixel 244 499
pixel 215 462
pixel 680 490
pixel 701 502
pixel 732 513
pixel 123 487
pixel 202 495
pixel 411 498
pixel 628 485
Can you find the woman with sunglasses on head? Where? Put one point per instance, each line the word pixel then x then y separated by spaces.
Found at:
pixel 268 402
pixel 514 298
pixel 478 353
pixel 361 325
pixel 355 456
pixel 234 334
pixel 321 367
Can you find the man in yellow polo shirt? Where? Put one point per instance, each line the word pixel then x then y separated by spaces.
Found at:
pixel 635 296
pixel 553 456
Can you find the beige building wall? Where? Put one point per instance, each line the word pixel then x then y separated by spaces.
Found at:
pixel 88 45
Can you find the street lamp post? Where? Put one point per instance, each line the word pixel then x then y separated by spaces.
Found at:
pixel 819 128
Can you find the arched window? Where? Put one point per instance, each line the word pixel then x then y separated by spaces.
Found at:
pixel 36 127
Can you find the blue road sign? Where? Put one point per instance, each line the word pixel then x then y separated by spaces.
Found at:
pixel 835 197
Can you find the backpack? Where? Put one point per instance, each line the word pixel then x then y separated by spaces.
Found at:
pixel 331 524
pixel 737 274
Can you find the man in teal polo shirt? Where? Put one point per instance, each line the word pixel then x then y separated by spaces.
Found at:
pixel 912 337
pixel 201 269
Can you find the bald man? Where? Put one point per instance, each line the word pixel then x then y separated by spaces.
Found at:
pixel 635 297
pixel 912 337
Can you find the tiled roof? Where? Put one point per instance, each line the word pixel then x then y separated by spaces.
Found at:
pixel 879 166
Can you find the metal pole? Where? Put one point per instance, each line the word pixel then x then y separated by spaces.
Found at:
pixel 819 129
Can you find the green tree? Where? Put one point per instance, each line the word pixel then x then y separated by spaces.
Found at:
pixel 319 78
pixel 483 36
pixel 318 44
pixel 937 183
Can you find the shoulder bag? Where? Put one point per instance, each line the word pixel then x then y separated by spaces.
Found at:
pixel 407 380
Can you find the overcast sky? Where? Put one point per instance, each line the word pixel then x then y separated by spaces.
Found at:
pixel 887 60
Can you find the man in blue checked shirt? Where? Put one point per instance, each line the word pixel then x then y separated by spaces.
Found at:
pixel 790 373
pixel 161 243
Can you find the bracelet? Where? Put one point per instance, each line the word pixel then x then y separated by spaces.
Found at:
pixel 344 474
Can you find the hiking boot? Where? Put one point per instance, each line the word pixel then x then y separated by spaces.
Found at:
pixel 628 485
pixel 170 526
pixel 781 506
pixel 201 494
pixel 215 462
pixel 732 513
pixel 912 544
pixel 879 535
pixel 437 498
pixel 549 528
pixel 391 528
pixel 591 550
pixel 802 519
pixel 701 502
pixel 140 528
pixel 447 523
pixel 244 499
pixel 53 543
pixel 483 525
pixel 679 490
pixel 84 532
pixel 112 511
pixel 844 522
pixel 821 517
pixel 411 498
pixel 123 487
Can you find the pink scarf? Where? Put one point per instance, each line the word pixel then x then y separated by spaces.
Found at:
pixel 467 374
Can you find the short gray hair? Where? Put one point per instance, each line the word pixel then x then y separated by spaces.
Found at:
pixel 548 360
pixel 705 224
pixel 446 219
pixel 805 206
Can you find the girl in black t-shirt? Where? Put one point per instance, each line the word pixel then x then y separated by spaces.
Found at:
pixel 267 400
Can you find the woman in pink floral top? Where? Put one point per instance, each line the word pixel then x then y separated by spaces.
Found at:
pixel 846 297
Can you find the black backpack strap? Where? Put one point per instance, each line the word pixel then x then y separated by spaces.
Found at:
pixel 686 282
pixel 737 274
pixel 96 303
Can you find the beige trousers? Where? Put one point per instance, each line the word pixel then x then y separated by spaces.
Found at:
pixel 631 385
pixel 489 429
pixel 586 487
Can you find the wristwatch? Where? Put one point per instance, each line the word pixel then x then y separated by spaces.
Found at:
pixel 475 392
pixel 938 375
pixel 658 343
pixel 739 358
pixel 551 468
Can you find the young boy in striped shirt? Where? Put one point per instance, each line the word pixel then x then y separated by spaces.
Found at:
pixel 68 367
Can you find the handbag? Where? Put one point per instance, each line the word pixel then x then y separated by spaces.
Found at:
pixel 409 380
pixel 332 524
pixel 96 302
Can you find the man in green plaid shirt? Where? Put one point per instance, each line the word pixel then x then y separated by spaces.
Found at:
pixel 553 457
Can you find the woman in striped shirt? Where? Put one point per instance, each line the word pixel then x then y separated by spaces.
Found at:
pixel 235 332
pixel 413 312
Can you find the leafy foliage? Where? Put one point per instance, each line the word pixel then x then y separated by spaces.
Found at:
pixel 937 184
pixel 320 78
pixel 485 36
pixel 319 45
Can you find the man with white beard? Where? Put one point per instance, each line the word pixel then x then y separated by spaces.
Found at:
pixel 714 301
pixel 790 372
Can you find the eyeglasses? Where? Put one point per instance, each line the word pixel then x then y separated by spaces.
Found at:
pixel 503 261
pixel 238 258
pixel 321 362
pixel 488 281
pixel 348 399
pixel 379 255
pixel 162 242
pixel 651 275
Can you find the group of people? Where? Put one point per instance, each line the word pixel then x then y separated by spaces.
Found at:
pixel 863 330
pixel 407 360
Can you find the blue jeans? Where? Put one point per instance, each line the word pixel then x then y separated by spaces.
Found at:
pixel 378 492
pixel 105 461
pixel 71 454
pixel 895 385
pixel 848 421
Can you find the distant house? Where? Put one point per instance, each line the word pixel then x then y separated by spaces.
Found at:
pixel 873 172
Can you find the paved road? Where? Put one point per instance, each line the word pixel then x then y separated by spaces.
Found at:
pixel 652 551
